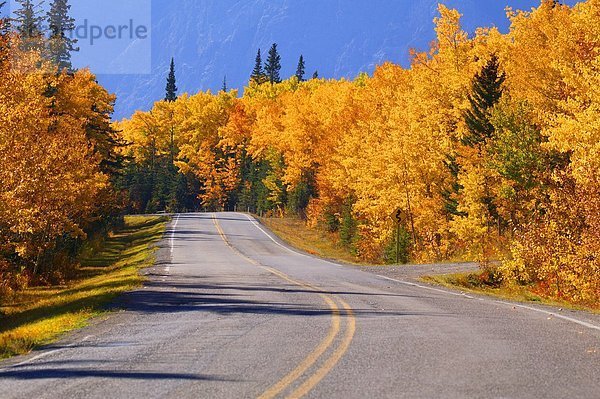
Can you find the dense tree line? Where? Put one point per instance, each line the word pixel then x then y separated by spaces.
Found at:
pixel 488 144
pixel 59 154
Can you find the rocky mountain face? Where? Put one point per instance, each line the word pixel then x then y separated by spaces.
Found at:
pixel 211 39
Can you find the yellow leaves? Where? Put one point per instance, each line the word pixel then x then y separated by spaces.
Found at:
pixel 197 132
pixel 554 64
pixel 580 136
pixel 449 33
pixel 51 185
pixel 49 175
pixel 383 142
pixel 474 227
pixel 558 252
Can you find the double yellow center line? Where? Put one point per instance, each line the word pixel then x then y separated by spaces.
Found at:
pixel 303 371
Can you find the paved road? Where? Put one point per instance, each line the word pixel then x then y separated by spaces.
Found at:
pixel 230 312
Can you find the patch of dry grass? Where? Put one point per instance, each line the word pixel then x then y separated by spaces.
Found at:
pixel 473 283
pixel 39 315
pixel 314 241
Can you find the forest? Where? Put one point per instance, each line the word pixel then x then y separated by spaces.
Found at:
pixel 489 144
pixel 59 155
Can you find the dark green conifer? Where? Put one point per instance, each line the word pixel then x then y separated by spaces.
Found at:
pixel 61 44
pixel 273 65
pixel 28 25
pixel 258 74
pixel 171 84
pixel 485 93
pixel 300 71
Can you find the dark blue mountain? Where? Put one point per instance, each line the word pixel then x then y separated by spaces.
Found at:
pixel 340 38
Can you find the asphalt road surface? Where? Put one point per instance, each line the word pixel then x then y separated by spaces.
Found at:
pixel 231 312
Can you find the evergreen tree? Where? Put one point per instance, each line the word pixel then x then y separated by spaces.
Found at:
pixel 28 24
pixel 224 88
pixel 60 44
pixel 171 84
pixel 316 75
pixel 108 143
pixel 258 74
pixel 300 71
pixel 486 92
pixel 273 65
pixel 452 188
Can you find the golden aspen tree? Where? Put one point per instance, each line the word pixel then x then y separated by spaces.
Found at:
pixel 200 118
pixel 51 179
pixel 473 176
pixel 557 250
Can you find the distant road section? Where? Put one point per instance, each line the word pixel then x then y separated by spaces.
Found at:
pixel 229 311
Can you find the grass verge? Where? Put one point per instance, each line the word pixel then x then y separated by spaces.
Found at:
pixel 39 315
pixel 472 283
pixel 313 241
pixel 325 245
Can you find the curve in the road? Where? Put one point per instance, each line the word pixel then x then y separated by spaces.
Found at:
pixel 308 362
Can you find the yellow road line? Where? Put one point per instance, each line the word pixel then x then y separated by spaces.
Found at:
pixel 309 360
pixel 335 357
pixel 325 344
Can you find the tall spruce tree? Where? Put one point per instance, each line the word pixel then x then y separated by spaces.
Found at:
pixel 224 87
pixel 273 65
pixel 301 70
pixel 60 43
pixel 171 84
pixel 258 74
pixel 486 91
pixel 28 24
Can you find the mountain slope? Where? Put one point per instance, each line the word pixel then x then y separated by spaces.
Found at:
pixel 340 38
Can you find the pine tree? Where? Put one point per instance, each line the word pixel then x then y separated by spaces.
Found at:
pixel 486 92
pixel 316 75
pixel 273 65
pixel 224 88
pixel 60 44
pixel 28 23
pixel 258 74
pixel 171 84
pixel 300 71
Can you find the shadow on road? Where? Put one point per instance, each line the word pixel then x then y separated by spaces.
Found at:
pixel 66 373
pixel 163 297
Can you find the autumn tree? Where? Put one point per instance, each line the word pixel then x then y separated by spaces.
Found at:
pixel 151 177
pixel 488 144
pixel 477 212
pixel 215 165
pixel 556 248
pixel 53 188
